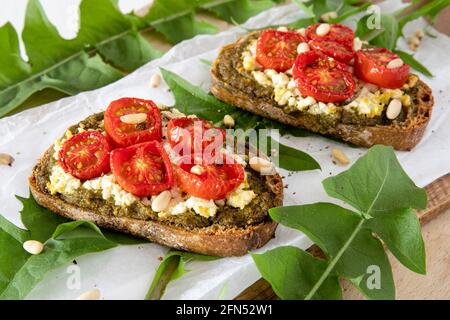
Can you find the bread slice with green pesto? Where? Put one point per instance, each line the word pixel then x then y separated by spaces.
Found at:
pixel 237 81
pixel 231 231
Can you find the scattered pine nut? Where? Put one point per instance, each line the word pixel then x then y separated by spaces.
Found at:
pixel 394 108
pixel 6 159
pixel 323 29
pixel 90 295
pixel 340 156
pixel 282 29
pixel 228 121
pixel 302 31
pixel 155 80
pixel 161 201
pixel 302 47
pixel 261 165
pixel 328 16
pixel 134 118
pixel 220 203
pixel 197 170
pixel 396 63
pixel 33 246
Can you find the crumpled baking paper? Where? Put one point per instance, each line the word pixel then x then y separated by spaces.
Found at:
pixel 126 272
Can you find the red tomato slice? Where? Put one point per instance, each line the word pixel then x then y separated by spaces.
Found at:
pixel 323 78
pixel 338 33
pixel 216 181
pixel 339 51
pixel 143 169
pixel 192 135
pixel 277 49
pixel 85 155
pixel 124 134
pixel 370 66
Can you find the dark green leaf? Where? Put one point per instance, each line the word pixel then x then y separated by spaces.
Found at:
pixel 295 160
pixel 400 231
pixel 129 52
pixel 349 11
pixel 409 59
pixel 292 272
pixel 376 183
pixel 352 250
pixel 171 268
pixel 240 11
pixel 20 272
pixel 431 8
pixel 388 38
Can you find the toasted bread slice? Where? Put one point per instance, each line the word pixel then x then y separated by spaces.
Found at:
pixel 214 239
pixel 232 85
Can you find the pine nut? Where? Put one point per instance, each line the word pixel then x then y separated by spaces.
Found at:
pixel 396 63
pixel 228 121
pixel 323 29
pixel 329 15
pixel 161 201
pixel 197 169
pixel 261 165
pixel 302 47
pixel 282 29
pixel 134 118
pixel 340 156
pixel 155 81
pixel 220 203
pixel 6 159
pixel 420 33
pixel 394 108
pixel 90 295
pixel 357 44
pixel 302 31
pixel 33 246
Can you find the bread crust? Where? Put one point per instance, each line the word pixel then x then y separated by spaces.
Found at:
pixel 212 241
pixel 404 137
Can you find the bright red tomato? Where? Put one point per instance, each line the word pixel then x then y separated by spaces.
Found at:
pixel 370 66
pixel 277 49
pixel 85 155
pixel 216 181
pixel 339 51
pixel 338 33
pixel 126 134
pixel 143 169
pixel 323 78
pixel 192 135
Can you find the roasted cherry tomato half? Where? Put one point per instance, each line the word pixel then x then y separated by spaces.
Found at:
pixel 338 33
pixel 143 169
pixel 371 66
pixel 323 78
pixel 85 155
pixel 339 51
pixel 214 182
pixel 192 135
pixel 277 49
pixel 126 132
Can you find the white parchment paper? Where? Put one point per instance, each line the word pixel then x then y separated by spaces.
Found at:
pixel 126 272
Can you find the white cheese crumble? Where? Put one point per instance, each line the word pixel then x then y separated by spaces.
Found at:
pixel 240 198
pixel 203 207
pixel 106 184
pixel 62 182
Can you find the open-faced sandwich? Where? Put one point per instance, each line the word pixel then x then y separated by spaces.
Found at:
pixel 136 168
pixel 325 80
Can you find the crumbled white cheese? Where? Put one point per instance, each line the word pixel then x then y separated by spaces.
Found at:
pixel 106 184
pixel 62 182
pixel 261 78
pixel 240 198
pixel 322 108
pixel 203 207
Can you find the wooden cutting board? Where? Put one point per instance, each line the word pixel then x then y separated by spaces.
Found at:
pixel 435 220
